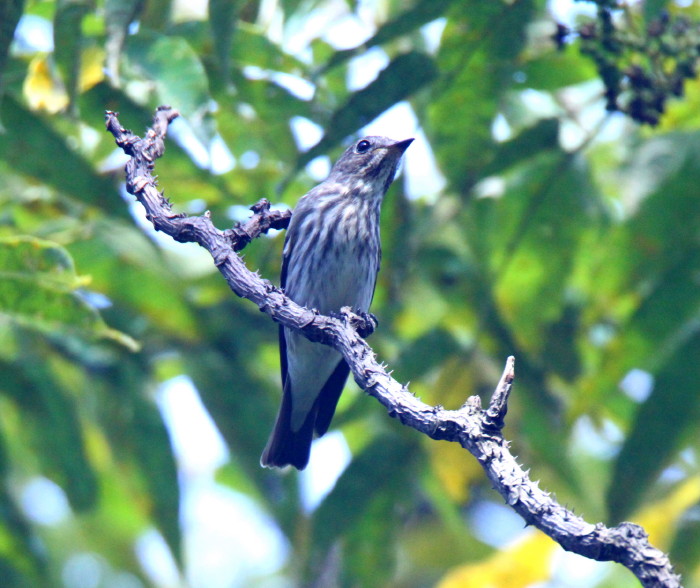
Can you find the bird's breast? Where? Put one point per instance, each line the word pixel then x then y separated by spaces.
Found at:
pixel 346 274
pixel 337 263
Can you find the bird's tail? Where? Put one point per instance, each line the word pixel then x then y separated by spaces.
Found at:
pixel 285 446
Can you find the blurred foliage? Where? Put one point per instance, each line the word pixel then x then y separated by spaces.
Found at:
pixel 548 228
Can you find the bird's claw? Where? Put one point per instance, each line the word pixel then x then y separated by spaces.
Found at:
pixel 364 323
pixel 371 322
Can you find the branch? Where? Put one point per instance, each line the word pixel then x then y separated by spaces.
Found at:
pixel 477 430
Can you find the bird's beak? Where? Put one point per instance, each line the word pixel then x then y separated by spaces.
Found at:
pixel 401 146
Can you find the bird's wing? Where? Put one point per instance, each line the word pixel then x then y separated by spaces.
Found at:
pixel 283 341
pixel 379 263
pixel 328 398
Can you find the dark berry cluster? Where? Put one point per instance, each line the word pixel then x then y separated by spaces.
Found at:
pixel 641 65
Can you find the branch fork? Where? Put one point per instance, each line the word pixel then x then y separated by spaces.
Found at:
pixel 475 429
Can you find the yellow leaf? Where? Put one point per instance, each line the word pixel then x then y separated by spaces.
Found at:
pixel 527 561
pixel 682 112
pixel 97 446
pixel 659 519
pixel 42 89
pixel 455 468
pixel 92 68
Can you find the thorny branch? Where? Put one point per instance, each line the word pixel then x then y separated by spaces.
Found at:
pixel 477 430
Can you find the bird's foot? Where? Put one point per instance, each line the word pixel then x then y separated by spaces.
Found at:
pixel 364 323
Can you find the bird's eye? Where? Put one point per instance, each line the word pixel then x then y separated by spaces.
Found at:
pixel 363 146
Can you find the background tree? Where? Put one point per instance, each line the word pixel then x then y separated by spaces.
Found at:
pixel 532 222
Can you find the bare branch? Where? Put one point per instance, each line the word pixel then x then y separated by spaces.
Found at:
pixel 475 429
pixel 262 221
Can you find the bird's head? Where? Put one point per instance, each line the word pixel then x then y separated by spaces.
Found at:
pixel 369 164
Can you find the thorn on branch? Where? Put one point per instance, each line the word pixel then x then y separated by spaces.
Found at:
pixel 472 404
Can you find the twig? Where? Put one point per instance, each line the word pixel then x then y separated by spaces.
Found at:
pixel 495 415
pixel 475 429
pixel 263 220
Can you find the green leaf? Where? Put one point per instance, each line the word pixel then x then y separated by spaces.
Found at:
pixel 52 424
pixel 425 353
pixel 178 74
pixel 119 14
pixel 477 59
pixel 642 275
pixel 685 550
pixel 531 235
pixel 647 283
pixel 45 264
pixel 370 550
pixel 68 37
pixel 527 242
pixel 130 270
pixel 16 535
pixel 404 76
pixel 542 136
pixel 10 13
pixel 558 69
pixel 153 453
pixel 146 472
pixel 252 46
pixel 222 19
pixel 406 22
pixel 156 14
pixel 274 106
pixel 11 576
pixel 227 398
pixel 32 148
pixel 660 425
pixel 361 507
pixel 653 8
pixel 39 291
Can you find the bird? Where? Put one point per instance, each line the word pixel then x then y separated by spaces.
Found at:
pixel 330 259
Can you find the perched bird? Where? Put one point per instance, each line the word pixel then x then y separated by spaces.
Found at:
pixel 330 259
